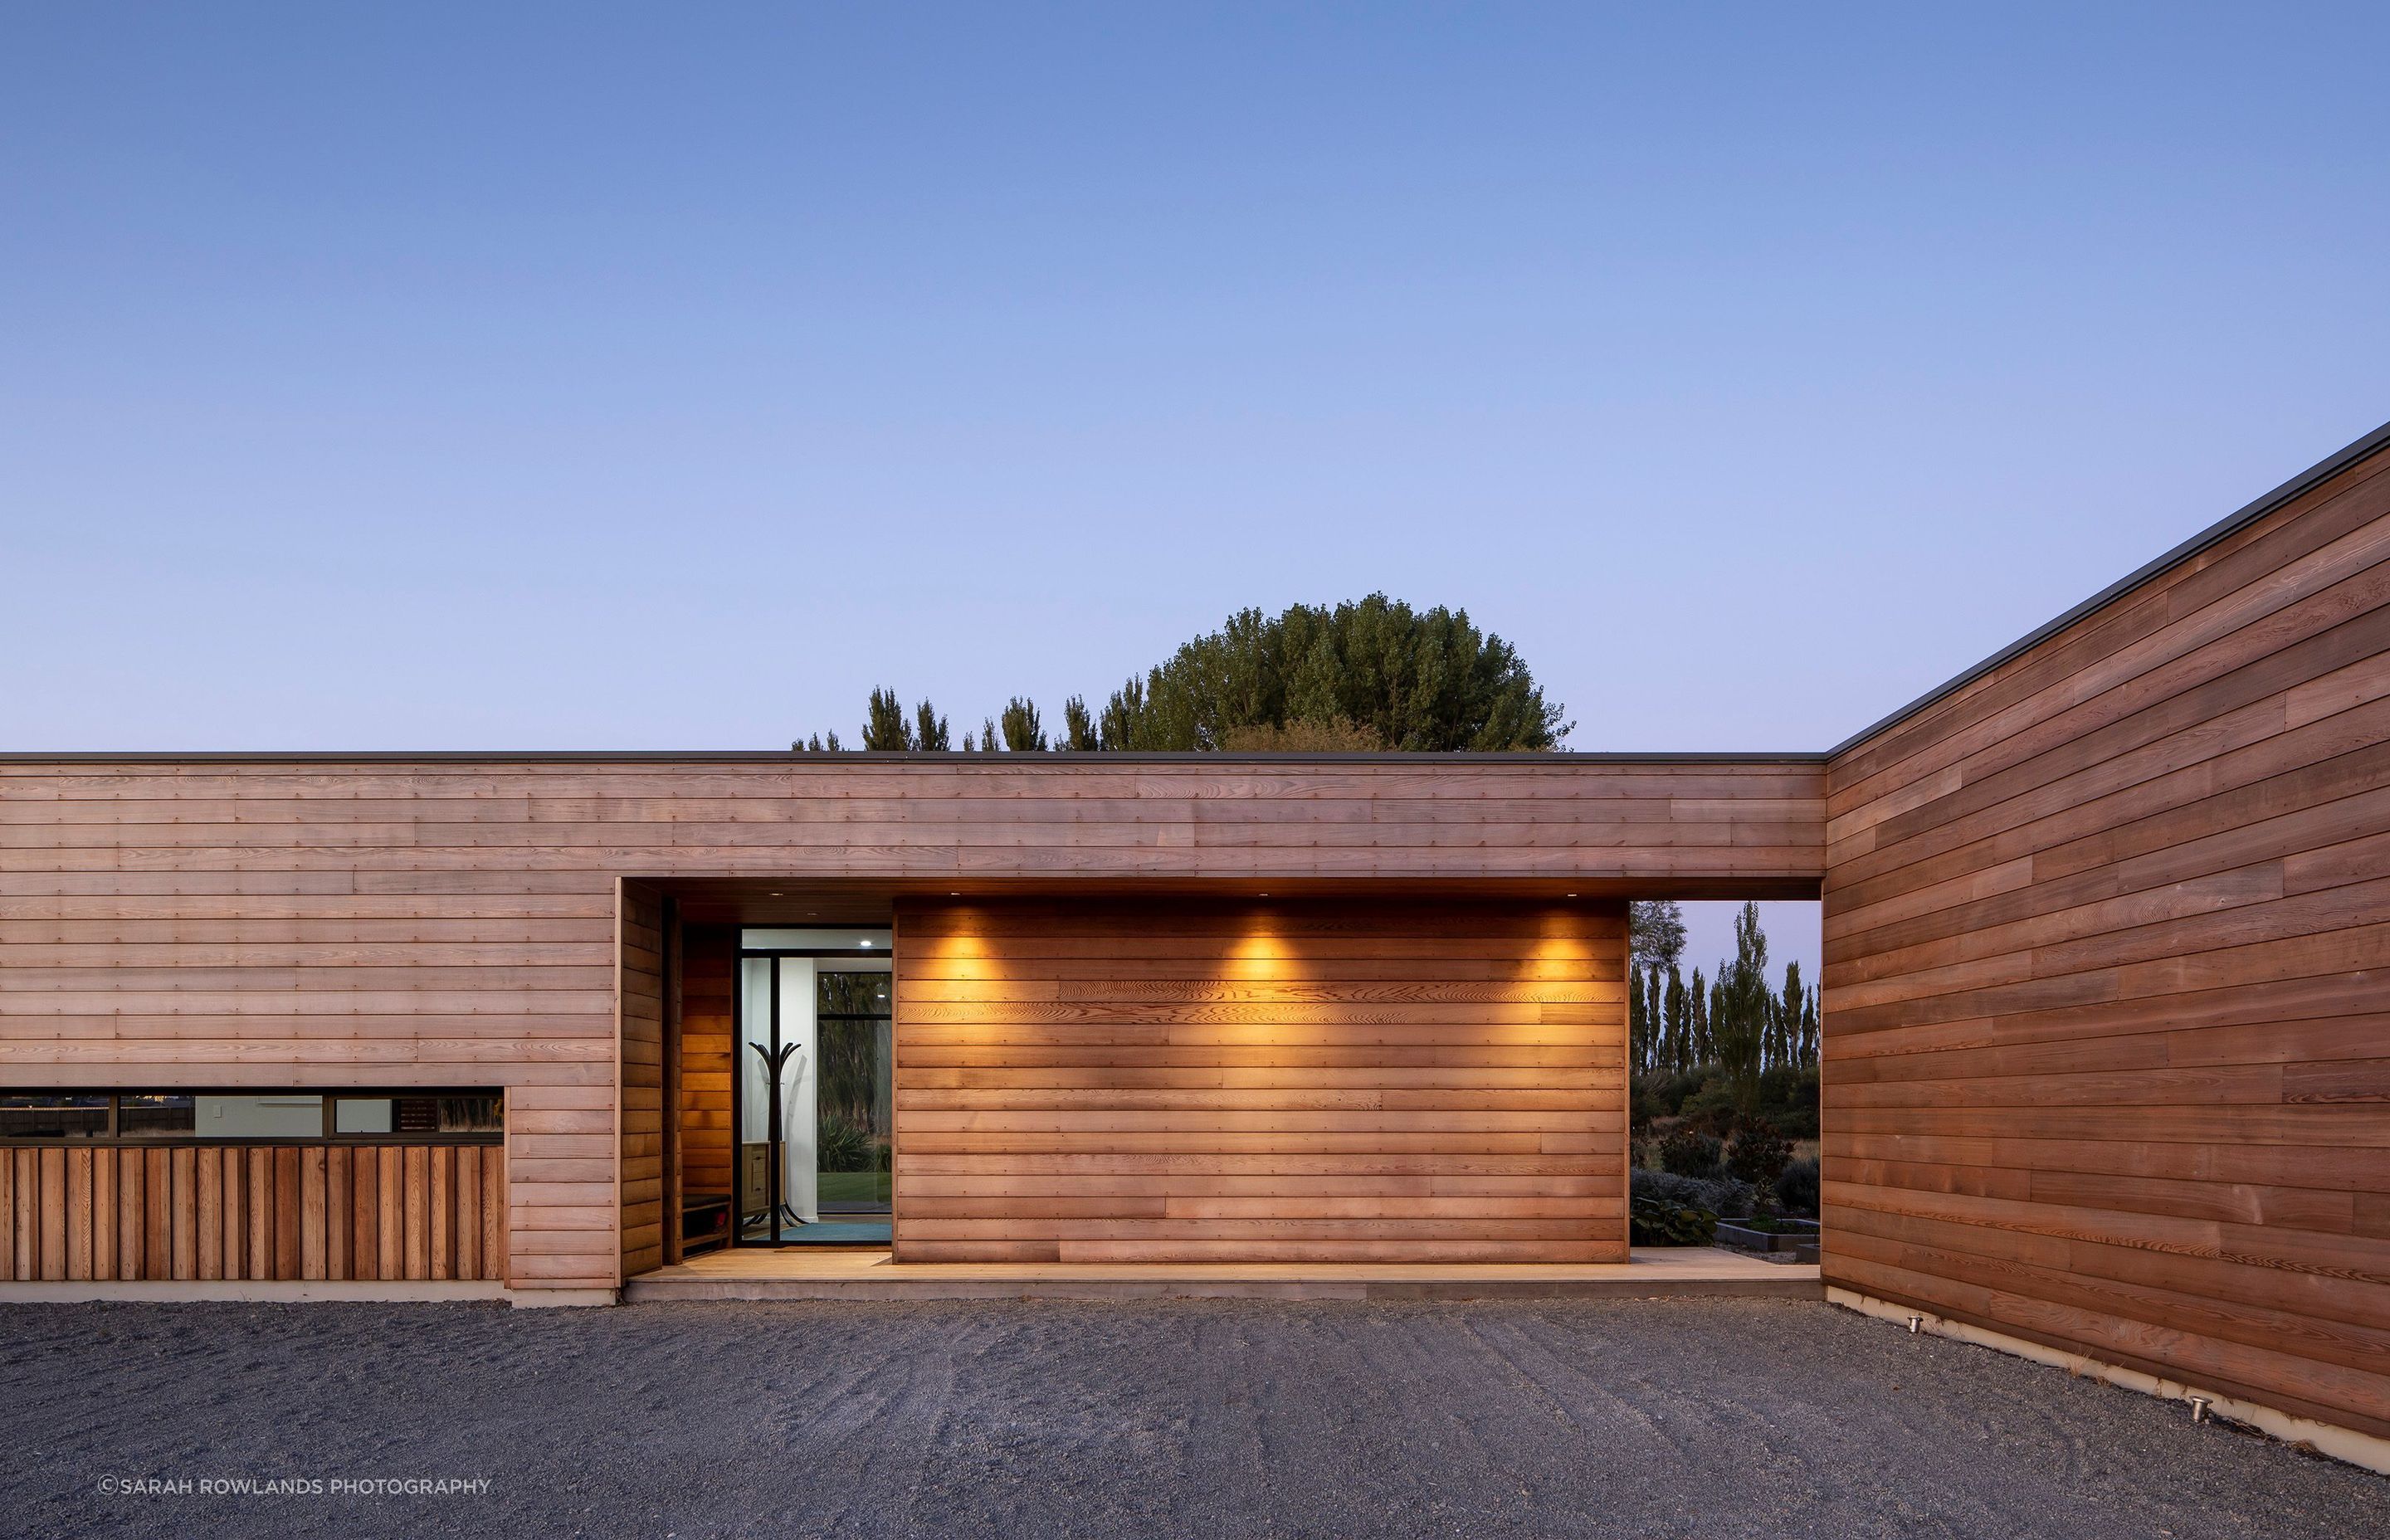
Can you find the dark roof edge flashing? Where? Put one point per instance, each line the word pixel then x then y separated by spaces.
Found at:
pixel 2322 471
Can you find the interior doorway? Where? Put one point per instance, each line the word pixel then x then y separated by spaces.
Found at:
pixel 813 1095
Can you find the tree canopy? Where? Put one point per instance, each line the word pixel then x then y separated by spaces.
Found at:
pixel 1364 676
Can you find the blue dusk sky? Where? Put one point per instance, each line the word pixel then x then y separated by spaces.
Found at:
pixel 580 377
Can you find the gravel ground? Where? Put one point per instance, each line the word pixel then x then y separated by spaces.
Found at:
pixel 1227 1418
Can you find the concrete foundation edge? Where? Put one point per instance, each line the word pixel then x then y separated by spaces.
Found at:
pixel 2340 1444
pixel 671 1290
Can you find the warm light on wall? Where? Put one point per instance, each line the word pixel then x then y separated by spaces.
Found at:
pixel 1260 955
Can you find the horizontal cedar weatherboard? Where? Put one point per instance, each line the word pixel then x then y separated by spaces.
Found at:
pixel 1320 1081
pixel 448 920
pixel 2107 1053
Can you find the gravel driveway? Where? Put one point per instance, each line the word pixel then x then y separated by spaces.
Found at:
pixel 1228 1418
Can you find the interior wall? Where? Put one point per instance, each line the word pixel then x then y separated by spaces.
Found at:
pixel 1160 1081
pixel 641 1012
pixel 709 960
pixel 2107 1044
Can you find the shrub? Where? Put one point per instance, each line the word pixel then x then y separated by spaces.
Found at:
pixel 1667 1092
pixel 1712 1108
pixel 1788 1098
pixel 1796 1189
pixel 1657 1221
pixel 1687 1154
pixel 1759 1154
pixel 845 1145
pixel 1720 1195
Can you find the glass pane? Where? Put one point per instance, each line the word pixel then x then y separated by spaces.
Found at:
pixel 749 1177
pixel 53 1115
pixel 147 1114
pixel 362 1115
pixel 855 1093
pixel 474 1114
pixel 276 1117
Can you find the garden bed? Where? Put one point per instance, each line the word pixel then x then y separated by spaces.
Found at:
pixel 1768 1233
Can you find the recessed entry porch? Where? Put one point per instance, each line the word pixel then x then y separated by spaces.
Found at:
pixel 1273 1074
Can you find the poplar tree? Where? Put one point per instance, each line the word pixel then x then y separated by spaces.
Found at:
pixel 1678 1015
pixel 1078 727
pixel 884 727
pixel 1638 1024
pixel 1739 1016
pixel 1698 1034
pixel 1789 1047
pixel 928 729
pixel 1024 733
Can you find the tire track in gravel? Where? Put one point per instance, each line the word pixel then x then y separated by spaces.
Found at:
pixel 1212 1418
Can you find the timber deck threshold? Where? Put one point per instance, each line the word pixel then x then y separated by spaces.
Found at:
pixel 1659 1272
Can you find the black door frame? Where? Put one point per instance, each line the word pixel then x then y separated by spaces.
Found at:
pixel 739 1066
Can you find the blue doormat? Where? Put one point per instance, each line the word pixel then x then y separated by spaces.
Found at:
pixel 838 1232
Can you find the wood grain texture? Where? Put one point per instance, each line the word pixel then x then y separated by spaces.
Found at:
pixel 709 959
pixel 1256 1082
pixel 453 921
pixel 639 1178
pixel 216 1211
pixel 2107 1050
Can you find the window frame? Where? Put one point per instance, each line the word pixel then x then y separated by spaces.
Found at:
pixel 116 1138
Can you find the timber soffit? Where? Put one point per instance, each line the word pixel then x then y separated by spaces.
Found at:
pixel 2315 475
pixel 2322 471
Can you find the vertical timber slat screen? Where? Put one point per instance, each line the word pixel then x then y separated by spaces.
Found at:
pixel 250 1212
pixel 1143 1080
pixel 2107 1031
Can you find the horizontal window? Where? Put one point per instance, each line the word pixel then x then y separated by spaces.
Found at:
pixel 277 1117
pixel 48 1115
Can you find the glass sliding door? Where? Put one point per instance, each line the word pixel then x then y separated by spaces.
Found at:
pixel 813 1091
